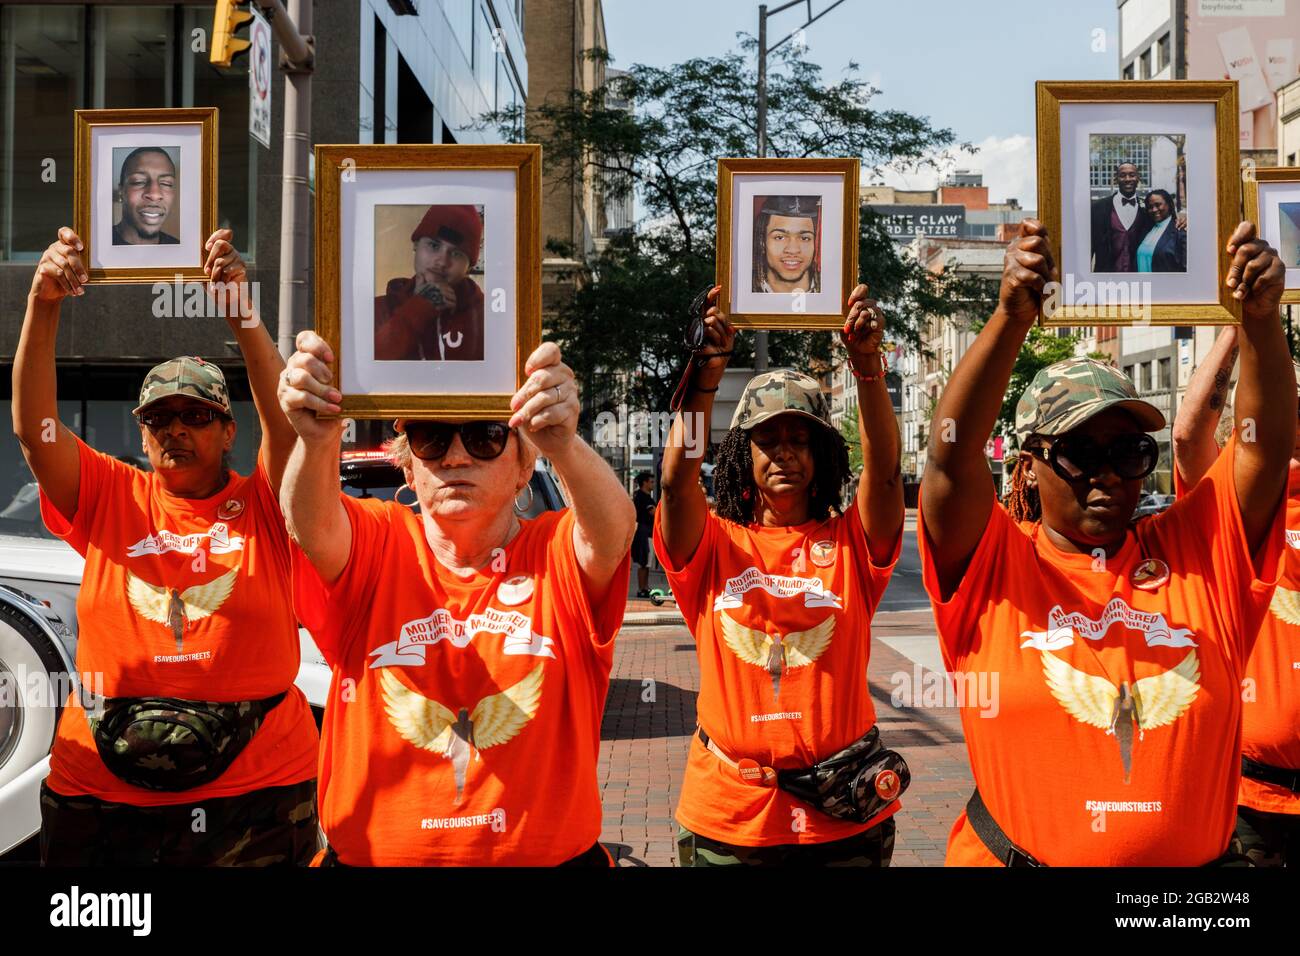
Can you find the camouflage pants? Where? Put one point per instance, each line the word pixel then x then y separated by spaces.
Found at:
pixel 1268 839
pixel 875 847
pixel 275 826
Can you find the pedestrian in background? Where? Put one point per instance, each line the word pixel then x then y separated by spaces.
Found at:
pixel 1268 802
pixel 644 502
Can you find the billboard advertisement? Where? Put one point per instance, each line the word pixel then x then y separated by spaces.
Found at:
pixel 1256 43
pixel 905 222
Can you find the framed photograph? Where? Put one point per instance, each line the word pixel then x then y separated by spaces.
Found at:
pixel 428 275
pixel 787 251
pixel 1139 188
pixel 145 199
pixel 1272 197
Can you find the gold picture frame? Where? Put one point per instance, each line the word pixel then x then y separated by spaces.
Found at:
pixel 1221 309
pixel 333 163
pixel 1252 176
pixel 85 220
pixel 731 298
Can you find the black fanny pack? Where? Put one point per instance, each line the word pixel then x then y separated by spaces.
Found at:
pixel 856 784
pixel 164 743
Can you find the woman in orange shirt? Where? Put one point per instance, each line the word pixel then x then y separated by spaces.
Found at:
pixel 204 751
pixel 778 588
pixel 471 649
pixel 1268 804
pixel 1114 648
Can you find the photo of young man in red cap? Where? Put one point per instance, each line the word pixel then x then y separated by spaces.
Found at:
pixel 437 313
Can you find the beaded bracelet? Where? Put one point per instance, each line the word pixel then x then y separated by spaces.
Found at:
pixel 884 367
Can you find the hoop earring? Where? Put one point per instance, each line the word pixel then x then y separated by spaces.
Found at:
pixel 397 496
pixel 526 508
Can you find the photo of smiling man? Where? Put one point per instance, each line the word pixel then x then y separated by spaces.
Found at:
pixel 147 196
pixel 787 244
pixel 434 312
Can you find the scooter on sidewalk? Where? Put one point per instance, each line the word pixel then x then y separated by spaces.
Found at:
pixel 661 596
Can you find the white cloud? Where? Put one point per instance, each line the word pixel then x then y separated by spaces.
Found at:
pixel 1009 165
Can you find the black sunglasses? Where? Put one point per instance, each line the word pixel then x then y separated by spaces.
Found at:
pixel 483 440
pixel 191 417
pixel 1075 457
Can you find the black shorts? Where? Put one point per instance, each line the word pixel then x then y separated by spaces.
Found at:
pixel 641 548
pixel 273 826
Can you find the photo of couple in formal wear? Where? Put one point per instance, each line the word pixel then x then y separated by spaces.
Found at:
pixel 1138 193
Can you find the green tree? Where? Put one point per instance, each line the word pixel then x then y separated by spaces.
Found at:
pixel 621 331
pixel 849 429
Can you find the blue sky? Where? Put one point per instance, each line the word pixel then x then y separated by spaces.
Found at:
pixel 969 65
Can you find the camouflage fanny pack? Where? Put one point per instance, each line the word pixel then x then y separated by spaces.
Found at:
pixel 855 784
pixel 164 743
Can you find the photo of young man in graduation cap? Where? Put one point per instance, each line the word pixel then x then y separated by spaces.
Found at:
pixel 787 245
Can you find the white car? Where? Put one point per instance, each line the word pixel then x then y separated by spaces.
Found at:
pixel 39 580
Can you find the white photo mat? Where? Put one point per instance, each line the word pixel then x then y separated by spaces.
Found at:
pixel 744 188
pixel 1079 121
pixel 1271 197
pixel 103 139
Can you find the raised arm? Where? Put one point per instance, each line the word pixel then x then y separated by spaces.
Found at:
pixel 309 490
pixel 546 410
pixel 1198 414
pixel 683 508
pixel 1265 405
pixel 229 284
pixel 957 491
pixel 48 445
pixel 880 491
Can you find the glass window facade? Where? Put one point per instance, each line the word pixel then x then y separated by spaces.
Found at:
pixel 55 59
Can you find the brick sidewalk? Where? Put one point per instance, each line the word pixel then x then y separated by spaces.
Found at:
pixel 644 745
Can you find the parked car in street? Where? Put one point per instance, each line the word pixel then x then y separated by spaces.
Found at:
pixel 39 580
pixel 1152 504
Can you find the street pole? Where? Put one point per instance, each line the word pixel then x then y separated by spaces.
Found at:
pixel 297 62
pixel 760 338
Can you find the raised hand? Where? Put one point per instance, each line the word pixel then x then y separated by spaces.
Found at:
pixel 864 331
pixel 546 408
pixel 60 271
pixel 306 389
pixel 1256 275
pixel 1026 270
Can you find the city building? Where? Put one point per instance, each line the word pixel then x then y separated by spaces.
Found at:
pixel 1257 45
pixel 384 73
pixel 958 208
pixel 577 214
pixel 924 370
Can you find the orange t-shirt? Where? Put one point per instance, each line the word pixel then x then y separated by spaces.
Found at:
pixel 230 637
pixel 1114 735
pixel 786 703
pixel 1270 715
pixel 463 724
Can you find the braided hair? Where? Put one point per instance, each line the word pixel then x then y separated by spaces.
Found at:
pixel 733 476
pixel 1022 500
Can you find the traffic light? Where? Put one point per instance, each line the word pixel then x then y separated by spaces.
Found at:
pixel 225 22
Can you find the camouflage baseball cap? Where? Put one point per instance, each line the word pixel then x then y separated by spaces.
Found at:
pixel 189 376
pixel 777 392
pixel 1067 394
